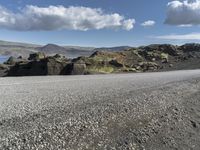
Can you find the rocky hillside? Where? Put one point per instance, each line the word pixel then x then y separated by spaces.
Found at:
pixel 17 49
pixel 143 59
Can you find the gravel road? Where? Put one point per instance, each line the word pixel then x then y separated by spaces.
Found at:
pixel 149 111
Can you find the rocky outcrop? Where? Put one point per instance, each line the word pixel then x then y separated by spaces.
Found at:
pixel 191 47
pixel 45 66
pixel 166 48
pixel 36 56
pixel 147 66
pixel 3 70
pixel 115 63
pixel 13 61
pixel 78 69
pixel 142 59
pixel 39 64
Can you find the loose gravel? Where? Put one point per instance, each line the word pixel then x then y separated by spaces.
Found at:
pixel 118 111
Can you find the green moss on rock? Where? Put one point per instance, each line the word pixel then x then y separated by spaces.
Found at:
pixel 37 56
pixel 99 69
pixel 164 57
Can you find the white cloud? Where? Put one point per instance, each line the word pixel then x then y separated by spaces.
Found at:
pixel 148 23
pixel 183 13
pixel 190 36
pixel 185 25
pixel 59 17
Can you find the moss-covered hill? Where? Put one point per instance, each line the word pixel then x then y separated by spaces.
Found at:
pixel 142 59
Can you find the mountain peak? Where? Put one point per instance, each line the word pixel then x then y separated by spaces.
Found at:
pixel 51 45
pixel 51 48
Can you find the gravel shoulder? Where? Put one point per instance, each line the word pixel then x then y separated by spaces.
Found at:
pixel 123 111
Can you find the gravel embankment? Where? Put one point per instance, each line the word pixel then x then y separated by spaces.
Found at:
pixel 118 111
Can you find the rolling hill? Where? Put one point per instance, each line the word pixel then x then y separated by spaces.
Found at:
pixel 17 49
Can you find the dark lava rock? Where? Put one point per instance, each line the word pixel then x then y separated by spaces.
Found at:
pixel 54 67
pixel 116 63
pixel 20 57
pixel 78 69
pixel 13 61
pixel 36 56
pixel 74 69
pixel 166 48
pixel 46 66
pixel 190 47
pixel 3 70
pixel 59 56
pixel 148 66
pixel 3 67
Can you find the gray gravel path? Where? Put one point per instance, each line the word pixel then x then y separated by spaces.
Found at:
pixel 116 111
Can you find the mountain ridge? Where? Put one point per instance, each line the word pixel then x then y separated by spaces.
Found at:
pixel 17 49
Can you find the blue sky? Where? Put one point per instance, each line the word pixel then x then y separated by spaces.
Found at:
pixel 138 22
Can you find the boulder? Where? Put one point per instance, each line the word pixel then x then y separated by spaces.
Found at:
pixel 3 70
pixel 3 67
pixel 54 67
pixel 59 56
pixel 78 69
pixel 164 57
pixel 13 61
pixel 74 68
pixel 47 66
pixel 36 56
pixel 115 63
pixel 147 66
pixel 171 65
pixel 32 68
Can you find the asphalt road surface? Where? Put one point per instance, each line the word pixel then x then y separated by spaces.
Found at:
pixel 117 111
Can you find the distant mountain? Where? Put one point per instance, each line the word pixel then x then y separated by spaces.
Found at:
pixel 68 51
pixel 7 43
pixel 24 49
pixel 52 49
pixel 16 49
pixel 80 48
pixel 113 49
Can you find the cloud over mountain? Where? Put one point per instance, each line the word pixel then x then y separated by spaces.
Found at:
pixel 60 17
pixel 190 36
pixel 183 12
